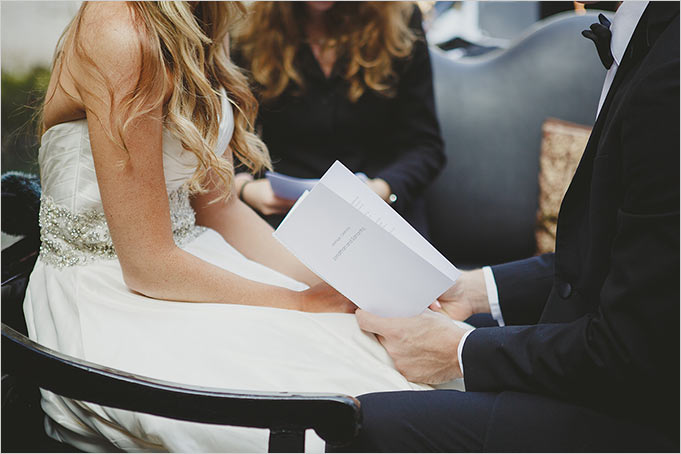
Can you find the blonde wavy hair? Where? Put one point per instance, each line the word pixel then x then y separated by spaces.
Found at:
pixel 371 35
pixel 181 46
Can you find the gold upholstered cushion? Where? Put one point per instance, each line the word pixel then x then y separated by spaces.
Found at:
pixel 562 147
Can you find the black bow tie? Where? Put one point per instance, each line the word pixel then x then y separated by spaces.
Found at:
pixel 600 34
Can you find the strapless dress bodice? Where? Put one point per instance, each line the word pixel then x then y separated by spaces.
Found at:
pixel 72 223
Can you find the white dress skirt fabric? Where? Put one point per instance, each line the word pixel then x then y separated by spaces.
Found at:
pixel 84 309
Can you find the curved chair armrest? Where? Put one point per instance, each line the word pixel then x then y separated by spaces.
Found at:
pixel 335 417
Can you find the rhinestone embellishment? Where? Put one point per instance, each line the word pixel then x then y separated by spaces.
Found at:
pixel 69 238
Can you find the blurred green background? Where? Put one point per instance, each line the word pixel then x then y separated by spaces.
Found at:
pixel 21 98
pixel 29 32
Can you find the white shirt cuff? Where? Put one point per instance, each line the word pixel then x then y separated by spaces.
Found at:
pixel 493 295
pixel 459 350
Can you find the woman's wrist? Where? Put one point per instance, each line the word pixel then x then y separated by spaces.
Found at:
pixel 242 188
pixel 294 300
pixel 241 180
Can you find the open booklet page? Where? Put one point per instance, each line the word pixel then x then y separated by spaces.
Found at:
pixel 357 243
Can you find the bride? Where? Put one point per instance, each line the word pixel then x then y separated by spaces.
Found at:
pixel 149 263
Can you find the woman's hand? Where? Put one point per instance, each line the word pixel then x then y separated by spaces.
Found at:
pixel 380 187
pixel 324 298
pixel 466 297
pixel 260 196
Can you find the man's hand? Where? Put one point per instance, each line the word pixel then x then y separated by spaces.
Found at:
pixel 466 297
pixel 423 348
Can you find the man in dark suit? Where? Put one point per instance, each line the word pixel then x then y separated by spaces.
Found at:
pixel 588 359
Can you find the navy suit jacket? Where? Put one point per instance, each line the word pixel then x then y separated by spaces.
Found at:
pixel 597 323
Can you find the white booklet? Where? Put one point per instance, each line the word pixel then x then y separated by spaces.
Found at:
pixel 347 235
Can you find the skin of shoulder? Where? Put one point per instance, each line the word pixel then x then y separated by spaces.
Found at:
pixel 109 37
pixel 108 57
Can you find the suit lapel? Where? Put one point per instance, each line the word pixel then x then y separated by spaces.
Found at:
pixel 575 201
pixel 658 18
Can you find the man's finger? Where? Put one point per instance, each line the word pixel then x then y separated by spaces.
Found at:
pixel 370 322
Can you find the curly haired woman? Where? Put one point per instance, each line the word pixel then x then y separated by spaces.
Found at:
pixel 343 80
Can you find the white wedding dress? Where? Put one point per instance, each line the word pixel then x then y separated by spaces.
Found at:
pixel 78 304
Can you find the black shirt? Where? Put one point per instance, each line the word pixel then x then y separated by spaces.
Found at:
pixel 397 139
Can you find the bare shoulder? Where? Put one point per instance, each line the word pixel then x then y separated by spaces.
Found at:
pixel 106 47
pixel 109 38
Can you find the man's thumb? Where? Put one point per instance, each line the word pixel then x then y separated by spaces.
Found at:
pixel 370 322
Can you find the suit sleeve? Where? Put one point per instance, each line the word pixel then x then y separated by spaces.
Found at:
pixel 418 143
pixel 607 358
pixel 523 287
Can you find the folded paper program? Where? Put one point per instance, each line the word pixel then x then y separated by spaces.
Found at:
pixel 357 243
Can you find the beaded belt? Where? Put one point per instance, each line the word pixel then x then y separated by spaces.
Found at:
pixel 69 238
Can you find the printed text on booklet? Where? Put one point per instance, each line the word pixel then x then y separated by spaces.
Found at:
pixel 358 244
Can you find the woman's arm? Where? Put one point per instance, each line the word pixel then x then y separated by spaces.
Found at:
pixel 241 227
pixel 132 184
pixel 244 229
pixel 258 194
